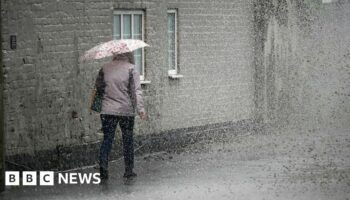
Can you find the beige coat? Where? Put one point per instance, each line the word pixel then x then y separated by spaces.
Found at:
pixel 120 84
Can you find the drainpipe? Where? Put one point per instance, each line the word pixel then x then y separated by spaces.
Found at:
pixel 259 74
pixel 2 135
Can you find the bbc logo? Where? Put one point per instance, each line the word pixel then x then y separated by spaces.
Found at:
pixel 12 178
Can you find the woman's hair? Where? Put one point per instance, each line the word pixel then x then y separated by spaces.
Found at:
pixel 128 56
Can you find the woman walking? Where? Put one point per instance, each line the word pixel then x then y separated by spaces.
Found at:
pixel 122 100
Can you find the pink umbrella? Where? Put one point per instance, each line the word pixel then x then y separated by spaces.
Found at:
pixel 113 47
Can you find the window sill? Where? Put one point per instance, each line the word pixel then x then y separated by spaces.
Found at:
pixel 175 76
pixel 328 1
pixel 145 82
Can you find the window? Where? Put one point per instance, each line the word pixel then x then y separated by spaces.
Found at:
pixel 172 43
pixel 129 25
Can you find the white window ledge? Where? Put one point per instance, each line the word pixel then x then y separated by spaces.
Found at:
pixel 175 76
pixel 328 1
pixel 145 82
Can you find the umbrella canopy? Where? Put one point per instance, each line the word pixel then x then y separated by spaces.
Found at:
pixel 113 47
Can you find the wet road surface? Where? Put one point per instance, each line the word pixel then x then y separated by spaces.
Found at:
pixel 296 165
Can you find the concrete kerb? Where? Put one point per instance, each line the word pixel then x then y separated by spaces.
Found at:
pixel 79 156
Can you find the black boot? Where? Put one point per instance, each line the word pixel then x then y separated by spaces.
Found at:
pixel 103 174
pixel 129 174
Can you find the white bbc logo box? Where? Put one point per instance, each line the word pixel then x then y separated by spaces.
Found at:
pixel 12 178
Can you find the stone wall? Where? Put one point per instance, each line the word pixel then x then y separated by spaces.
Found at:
pixel 2 135
pixel 306 51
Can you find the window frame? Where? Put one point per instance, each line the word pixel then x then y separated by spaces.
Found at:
pixel 174 71
pixel 122 12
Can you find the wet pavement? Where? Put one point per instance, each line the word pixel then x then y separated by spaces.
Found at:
pixel 297 165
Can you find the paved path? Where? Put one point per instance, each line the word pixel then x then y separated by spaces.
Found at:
pixel 310 165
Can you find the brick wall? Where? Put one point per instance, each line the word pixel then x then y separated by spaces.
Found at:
pixel 215 57
pixel 45 83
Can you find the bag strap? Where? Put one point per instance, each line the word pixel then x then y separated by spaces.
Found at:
pixel 100 82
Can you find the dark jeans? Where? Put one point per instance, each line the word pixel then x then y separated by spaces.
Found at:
pixel 109 125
